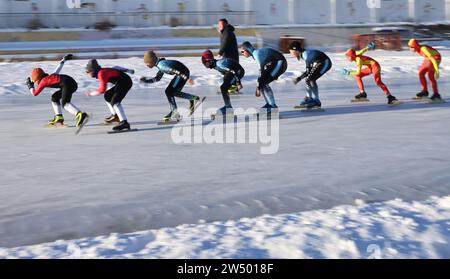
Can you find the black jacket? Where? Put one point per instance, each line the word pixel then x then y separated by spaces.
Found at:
pixel 228 44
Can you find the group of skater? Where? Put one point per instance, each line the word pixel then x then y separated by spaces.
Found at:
pixel 272 64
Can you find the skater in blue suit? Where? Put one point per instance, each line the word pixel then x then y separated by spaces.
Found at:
pixel 232 73
pixel 181 76
pixel 272 65
pixel 317 64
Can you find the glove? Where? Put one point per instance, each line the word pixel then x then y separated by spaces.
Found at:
pixel 190 81
pixel 30 84
pixel 130 71
pixel 296 80
pixel 257 92
pixel 239 86
pixel 371 46
pixel 68 57
pixel 345 72
pixel 143 80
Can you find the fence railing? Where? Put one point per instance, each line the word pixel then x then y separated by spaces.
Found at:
pixel 130 19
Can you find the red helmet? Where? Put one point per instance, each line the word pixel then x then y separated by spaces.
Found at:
pixel 37 74
pixel 351 53
pixel 207 56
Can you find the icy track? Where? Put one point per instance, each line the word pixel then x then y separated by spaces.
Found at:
pixel 55 185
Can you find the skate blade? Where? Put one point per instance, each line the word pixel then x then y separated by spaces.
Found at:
pixel 88 118
pixel 52 126
pixel 197 105
pixel 420 98
pixel 110 123
pixel 227 117
pixel 396 103
pixel 122 131
pixel 313 110
pixel 268 115
pixel 436 101
pixel 170 122
pixel 300 107
pixel 365 100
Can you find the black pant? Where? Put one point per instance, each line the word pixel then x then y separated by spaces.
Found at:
pixel 117 93
pixel 319 69
pixel 272 73
pixel 68 86
pixel 228 80
pixel 174 90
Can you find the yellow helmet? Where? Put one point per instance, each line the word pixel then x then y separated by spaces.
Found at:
pixel 413 43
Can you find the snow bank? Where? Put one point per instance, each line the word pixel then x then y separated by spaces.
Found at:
pixel 393 229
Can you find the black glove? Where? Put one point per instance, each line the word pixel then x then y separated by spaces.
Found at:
pixel 297 79
pixel 30 84
pixel 147 80
pixel 258 85
pixel 68 57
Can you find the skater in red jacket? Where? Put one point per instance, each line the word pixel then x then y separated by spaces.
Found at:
pixel 365 66
pixel 429 66
pixel 61 98
pixel 113 96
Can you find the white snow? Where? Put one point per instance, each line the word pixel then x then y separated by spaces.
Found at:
pixel 58 186
pixel 392 229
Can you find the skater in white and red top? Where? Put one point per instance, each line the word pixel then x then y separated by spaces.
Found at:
pixel 61 98
pixel 113 96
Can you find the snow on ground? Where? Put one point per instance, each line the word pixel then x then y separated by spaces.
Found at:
pixel 392 229
pixel 58 186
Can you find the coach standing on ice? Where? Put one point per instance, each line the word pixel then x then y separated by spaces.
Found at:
pixel 228 42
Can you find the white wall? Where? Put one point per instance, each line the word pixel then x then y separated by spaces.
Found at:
pixel 313 11
pixel 267 11
pixel 430 10
pixel 352 11
pixel 394 10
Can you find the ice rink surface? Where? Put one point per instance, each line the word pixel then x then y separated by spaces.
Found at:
pixel 55 185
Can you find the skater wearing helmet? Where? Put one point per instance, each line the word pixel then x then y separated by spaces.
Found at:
pixel 61 98
pixel 317 64
pixel 232 74
pixel 429 66
pixel 181 73
pixel 366 66
pixel 272 65
pixel 113 96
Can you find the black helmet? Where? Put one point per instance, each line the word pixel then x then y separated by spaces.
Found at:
pixel 248 46
pixel 92 66
pixel 295 45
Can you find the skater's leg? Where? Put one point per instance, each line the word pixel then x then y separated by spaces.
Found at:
pixel 111 108
pixel 426 66
pixel 431 75
pixel 69 87
pixel 378 81
pixel 364 72
pixel 120 112
pixel 227 80
pixel 177 84
pixel 56 102
pixel 108 97
pixel 122 88
pixel 268 96
pixel 279 69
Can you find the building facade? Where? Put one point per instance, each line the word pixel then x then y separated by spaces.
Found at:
pixel 151 13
